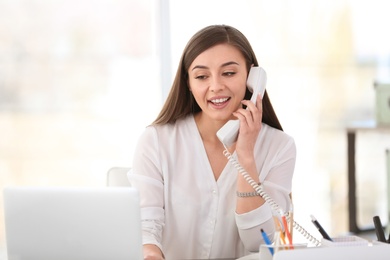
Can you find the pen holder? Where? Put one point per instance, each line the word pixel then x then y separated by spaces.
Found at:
pixel 265 250
pixel 345 241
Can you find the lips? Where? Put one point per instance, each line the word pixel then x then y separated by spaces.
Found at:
pixel 219 101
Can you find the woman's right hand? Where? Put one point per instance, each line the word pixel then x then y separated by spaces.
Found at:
pixel 152 252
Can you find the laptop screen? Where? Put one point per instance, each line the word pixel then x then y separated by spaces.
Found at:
pixel 72 223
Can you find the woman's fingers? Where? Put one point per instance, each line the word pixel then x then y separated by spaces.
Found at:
pixel 253 113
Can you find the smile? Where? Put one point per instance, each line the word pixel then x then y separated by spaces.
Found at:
pixel 219 101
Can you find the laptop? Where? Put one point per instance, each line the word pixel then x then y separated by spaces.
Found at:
pixel 72 223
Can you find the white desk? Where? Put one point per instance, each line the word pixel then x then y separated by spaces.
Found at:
pixel 381 252
pixel 378 252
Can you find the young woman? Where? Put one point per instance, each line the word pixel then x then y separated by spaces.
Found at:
pixel 195 204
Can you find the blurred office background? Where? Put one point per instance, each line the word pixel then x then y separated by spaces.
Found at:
pixel 79 81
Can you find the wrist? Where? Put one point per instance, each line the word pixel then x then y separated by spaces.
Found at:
pixel 247 194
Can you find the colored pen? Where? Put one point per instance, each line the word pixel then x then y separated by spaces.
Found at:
pixel 320 228
pixel 291 224
pixel 291 216
pixel 286 230
pixel 267 241
pixel 279 235
pixel 379 229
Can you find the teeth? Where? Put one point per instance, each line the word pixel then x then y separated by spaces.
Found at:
pixel 220 100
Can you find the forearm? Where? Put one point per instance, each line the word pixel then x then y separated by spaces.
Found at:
pixel 249 225
pixel 248 203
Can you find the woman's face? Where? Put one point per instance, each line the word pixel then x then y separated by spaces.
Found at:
pixel 217 79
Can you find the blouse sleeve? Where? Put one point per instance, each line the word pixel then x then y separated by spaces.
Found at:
pixel 147 177
pixel 277 184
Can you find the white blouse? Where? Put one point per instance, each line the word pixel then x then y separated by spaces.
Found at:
pixel 185 211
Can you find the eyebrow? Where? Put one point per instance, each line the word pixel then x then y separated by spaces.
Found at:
pixel 223 65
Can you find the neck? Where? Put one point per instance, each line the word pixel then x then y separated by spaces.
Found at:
pixel 208 132
pixel 208 128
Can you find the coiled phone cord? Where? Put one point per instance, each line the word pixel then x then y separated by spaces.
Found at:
pixel 268 199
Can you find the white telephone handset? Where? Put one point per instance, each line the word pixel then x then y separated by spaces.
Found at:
pixel 256 82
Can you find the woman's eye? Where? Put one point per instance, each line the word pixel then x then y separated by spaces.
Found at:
pixel 201 77
pixel 229 73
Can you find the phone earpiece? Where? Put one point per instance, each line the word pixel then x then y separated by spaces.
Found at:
pixel 256 82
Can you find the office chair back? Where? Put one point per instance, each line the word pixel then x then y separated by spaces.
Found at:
pixel 117 177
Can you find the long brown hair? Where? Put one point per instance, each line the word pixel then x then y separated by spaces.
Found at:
pixel 180 102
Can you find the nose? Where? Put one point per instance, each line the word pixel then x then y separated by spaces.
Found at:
pixel 216 84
